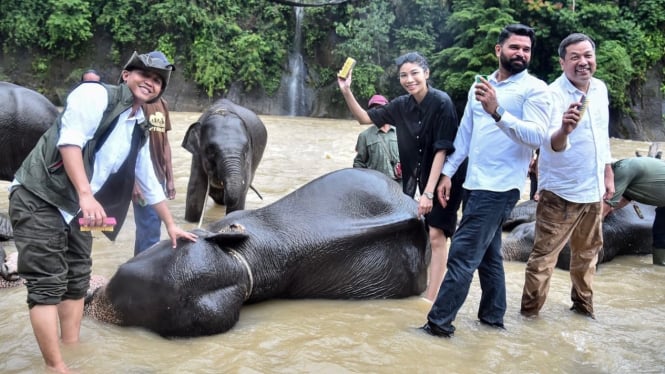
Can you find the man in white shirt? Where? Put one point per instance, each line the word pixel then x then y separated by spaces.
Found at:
pixel 575 175
pixel 505 119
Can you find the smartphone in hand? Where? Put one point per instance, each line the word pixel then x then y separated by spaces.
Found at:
pixel 582 108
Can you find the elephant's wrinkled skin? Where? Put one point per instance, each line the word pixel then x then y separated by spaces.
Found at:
pixel 24 116
pixel 6 232
pixel 624 233
pixel 8 270
pixel 227 143
pixel 351 234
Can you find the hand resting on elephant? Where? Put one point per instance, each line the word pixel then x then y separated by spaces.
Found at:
pixel 351 234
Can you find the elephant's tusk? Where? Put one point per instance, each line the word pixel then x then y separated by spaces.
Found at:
pixel 243 261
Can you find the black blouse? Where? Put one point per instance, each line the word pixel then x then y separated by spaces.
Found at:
pixel 422 130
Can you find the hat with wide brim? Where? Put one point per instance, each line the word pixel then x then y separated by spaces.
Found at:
pixel 155 62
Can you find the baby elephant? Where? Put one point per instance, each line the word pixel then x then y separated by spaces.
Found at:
pixel 227 144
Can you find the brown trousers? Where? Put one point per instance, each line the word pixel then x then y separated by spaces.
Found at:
pixel 557 222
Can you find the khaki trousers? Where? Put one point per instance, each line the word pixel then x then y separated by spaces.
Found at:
pixel 557 222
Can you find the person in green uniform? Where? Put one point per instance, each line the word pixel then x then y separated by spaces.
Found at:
pixel 641 179
pixel 376 148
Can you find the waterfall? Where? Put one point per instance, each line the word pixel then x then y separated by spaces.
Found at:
pixel 295 81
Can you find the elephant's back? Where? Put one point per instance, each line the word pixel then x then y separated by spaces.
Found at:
pixel 345 218
pixel 25 115
pixel 360 194
pixel 21 105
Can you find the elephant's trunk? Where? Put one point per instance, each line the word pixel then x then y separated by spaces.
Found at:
pixel 235 182
pixel 235 194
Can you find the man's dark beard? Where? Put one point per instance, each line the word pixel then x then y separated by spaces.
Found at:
pixel 513 66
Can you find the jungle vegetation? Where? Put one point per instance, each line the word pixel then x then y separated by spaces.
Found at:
pixel 218 42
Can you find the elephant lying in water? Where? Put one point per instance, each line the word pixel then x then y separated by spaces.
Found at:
pixel 624 233
pixel 351 234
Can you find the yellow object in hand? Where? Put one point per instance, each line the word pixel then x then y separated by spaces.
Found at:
pixel 346 69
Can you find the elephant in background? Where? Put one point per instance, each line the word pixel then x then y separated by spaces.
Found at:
pixel 24 116
pixel 350 234
pixel 227 143
pixel 625 232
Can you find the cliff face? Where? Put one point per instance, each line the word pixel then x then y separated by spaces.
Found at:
pixel 645 123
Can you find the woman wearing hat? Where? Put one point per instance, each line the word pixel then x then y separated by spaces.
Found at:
pixel 146 220
pixel 376 148
pixel 79 173
pixel 426 124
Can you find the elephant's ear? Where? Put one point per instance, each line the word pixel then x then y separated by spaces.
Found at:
pixel 191 140
pixel 233 233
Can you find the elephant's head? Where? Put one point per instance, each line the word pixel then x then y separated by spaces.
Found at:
pixel 222 145
pixel 195 289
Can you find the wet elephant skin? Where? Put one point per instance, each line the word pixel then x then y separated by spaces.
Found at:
pixel 24 116
pixel 227 144
pixel 350 234
pixel 624 233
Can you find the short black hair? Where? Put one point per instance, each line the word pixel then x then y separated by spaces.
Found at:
pixel 574 38
pixel 90 71
pixel 517 29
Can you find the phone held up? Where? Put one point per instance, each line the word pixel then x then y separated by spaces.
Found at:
pixel 582 108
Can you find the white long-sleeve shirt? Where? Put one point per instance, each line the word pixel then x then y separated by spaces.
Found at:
pixel 82 116
pixel 499 152
pixel 577 173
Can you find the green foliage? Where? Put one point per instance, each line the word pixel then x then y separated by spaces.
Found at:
pixel 220 42
pixel 366 40
pixel 476 26
pixel 208 71
pixel 40 66
pixel 317 25
pixel 68 26
pixel 21 23
pixel 615 68
pixel 417 26
pixel 125 19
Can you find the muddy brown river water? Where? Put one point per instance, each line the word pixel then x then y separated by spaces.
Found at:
pixel 376 336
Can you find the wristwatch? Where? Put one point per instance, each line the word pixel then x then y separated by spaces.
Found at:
pixel 498 113
pixel 429 195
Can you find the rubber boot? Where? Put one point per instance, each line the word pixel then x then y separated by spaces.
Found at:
pixel 659 256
